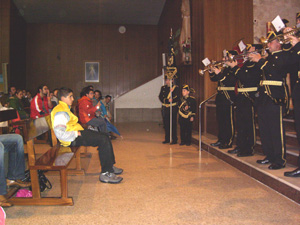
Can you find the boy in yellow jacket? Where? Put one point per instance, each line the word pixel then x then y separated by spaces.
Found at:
pixel 71 133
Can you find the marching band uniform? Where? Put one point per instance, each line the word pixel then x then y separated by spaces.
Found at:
pixel 272 104
pixel 296 98
pixel 187 110
pixel 164 97
pixel 224 107
pixel 248 79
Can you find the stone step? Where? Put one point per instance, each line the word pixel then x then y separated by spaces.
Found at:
pixel 290 187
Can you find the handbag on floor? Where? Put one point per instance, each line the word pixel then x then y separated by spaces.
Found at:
pixel 43 180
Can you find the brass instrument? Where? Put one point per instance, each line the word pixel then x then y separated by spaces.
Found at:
pixel 264 41
pixel 214 64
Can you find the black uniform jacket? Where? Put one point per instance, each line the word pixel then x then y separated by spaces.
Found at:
pixel 226 80
pixel 275 68
pixel 190 102
pixel 248 76
pixel 165 95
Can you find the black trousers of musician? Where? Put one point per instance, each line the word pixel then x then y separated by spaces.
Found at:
pixel 245 125
pixel 296 98
pixel 272 133
pixel 166 120
pixel 225 120
pixel 186 127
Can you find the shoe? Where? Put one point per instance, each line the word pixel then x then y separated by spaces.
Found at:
pixel 236 150
pixel 263 161
pixel 4 202
pixel 112 137
pixel 244 154
pixel 166 142
pixel 117 170
pixel 173 142
pixel 275 166
pixel 111 178
pixel 224 146
pixel 18 183
pixel 188 144
pixel 294 173
pixel 182 143
pixel 216 144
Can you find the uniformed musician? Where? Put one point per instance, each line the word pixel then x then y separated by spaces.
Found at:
pixel 168 101
pixel 248 79
pixel 296 97
pixel 187 112
pixel 224 104
pixel 273 102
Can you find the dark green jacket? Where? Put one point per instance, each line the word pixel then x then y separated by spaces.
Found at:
pixel 15 103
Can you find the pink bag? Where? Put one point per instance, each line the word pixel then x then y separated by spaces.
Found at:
pixel 24 193
pixel 2 216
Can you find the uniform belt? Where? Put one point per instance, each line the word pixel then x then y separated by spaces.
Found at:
pixel 168 105
pixel 270 82
pixel 226 88
pixel 249 89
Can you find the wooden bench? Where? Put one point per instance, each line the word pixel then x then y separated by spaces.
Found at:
pixel 57 158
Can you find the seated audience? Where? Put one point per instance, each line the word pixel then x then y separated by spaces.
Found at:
pixel 16 103
pixel 41 103
pixel 106 102
pixel 97 98
pixel 70 133
pixel 87 110
pixel 54 98
pixel 13 144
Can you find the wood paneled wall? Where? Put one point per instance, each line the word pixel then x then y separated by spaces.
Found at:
pixel 215 25
pixel 56 54
pixel 12 43
pixel 4 31
pixel 17 61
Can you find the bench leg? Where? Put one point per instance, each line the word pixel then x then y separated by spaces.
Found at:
pixel 64 183
pixel 78 170
pixel 35 185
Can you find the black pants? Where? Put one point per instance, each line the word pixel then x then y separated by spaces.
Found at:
pixel 271 130
pixel 296 98
pixel 166 120
pixel 225 121
pixel 102 141
pixel 245 125
pixel 186 127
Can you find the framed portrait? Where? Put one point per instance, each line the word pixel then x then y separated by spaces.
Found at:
pixel 92 71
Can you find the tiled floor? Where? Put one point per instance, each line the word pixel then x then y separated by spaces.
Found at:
pixel 162 184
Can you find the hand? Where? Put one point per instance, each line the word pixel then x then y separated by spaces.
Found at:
pixel 98 104
pixel 216 70
pixel 170 100
pixel 254 57
pixel 192 119
pixel 231 63
pixel 293 40
pixel 186 107
pixel 79 134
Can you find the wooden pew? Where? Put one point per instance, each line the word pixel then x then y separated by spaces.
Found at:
pixel 57 158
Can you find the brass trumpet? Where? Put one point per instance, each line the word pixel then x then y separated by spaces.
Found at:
pixel 214 64
pixel 264 41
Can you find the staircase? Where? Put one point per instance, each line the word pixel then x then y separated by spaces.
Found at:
pixel 290 187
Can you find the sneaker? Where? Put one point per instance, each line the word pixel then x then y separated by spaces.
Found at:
pixel 111 178
pixel 18 183
pixel 117 170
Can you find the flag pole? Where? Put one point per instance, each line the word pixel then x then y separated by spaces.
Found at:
pixel 171 97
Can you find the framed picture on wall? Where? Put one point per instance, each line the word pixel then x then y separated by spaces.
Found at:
pixel 92 71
